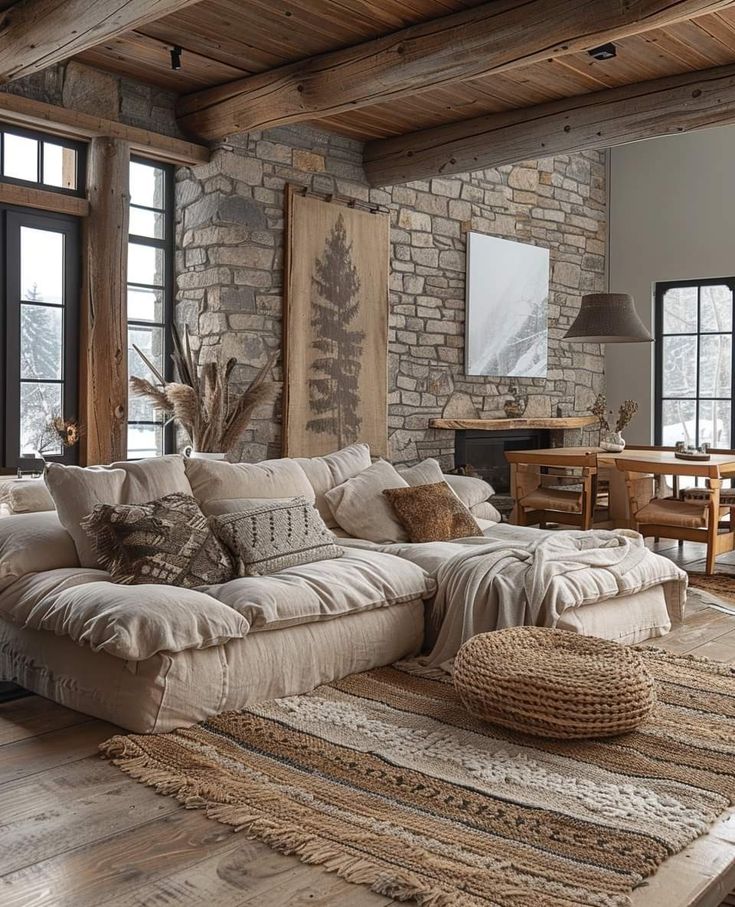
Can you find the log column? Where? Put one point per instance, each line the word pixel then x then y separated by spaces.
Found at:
pixel 104 366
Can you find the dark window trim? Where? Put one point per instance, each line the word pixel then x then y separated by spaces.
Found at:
pixel 41 137
pixel 11 220
pixel 661 289
pixel 167 244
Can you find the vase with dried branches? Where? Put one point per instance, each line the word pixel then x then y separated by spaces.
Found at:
pixel 203 402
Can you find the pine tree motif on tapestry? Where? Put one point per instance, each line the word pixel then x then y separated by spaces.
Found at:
pixel 334 391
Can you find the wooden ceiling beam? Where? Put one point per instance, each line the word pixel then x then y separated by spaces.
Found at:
pixel 35 34
pixel 74 124
pixel 495 37
pixel 601 119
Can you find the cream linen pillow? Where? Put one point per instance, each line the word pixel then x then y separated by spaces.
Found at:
pixel 470 490
pixel 26 496
pixel 325 473
pixel 216 480
pixel 78 490
pixel 33 543
pixel 360 507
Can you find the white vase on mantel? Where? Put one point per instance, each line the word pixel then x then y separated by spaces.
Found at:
pixel 203 454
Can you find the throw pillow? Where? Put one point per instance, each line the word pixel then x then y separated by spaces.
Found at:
pixel 167 541
pixel 432 513
pixel 76 491
pixel 270 538
pixel 361 510
pixel 469 489
pixel 325 473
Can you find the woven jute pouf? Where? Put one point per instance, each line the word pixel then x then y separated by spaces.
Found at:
pixel 552 683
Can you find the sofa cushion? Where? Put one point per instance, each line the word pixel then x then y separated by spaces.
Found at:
pixel 216 480
pixel 487 512
pixel 274 536
pixel 325 473
pixel 360 508
pixel 240 505
pixel 77 490
pixel 32 542
pixel 432 513
pixel 470 490
pixel 26 496
pixel 129 622
pixel 360 580
pixel 167 541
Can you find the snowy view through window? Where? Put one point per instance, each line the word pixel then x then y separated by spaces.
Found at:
pixel 696 365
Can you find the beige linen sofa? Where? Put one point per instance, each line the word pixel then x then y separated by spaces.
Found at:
pixel 152 657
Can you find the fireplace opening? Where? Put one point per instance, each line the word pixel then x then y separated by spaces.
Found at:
pixel 484 451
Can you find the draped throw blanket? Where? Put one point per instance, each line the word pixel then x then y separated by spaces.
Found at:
pixel 532 578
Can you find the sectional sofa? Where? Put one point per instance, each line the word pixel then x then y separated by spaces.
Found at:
pixel 153 657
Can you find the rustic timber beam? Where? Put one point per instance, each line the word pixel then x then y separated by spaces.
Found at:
pixel 603 119
pixel 494 37
pixel 32 197
pixel 104 360
pixel 35 34
pixel 73 124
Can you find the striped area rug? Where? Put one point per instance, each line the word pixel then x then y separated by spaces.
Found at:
pixel 385 779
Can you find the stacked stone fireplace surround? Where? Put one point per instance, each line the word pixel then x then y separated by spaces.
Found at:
pixel 230 272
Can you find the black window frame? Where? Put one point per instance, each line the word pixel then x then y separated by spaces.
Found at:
pixel 660 290
pixel 12 218
pixel 81 161
pixel 167 244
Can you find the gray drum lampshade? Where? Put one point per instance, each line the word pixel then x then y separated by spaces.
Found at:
pixel 608 318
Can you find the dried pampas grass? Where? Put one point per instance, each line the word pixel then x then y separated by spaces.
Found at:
pixel 203 402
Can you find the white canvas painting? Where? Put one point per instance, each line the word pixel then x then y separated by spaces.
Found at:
pixel 507 308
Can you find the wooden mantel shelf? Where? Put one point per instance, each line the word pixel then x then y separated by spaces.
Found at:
pixel 559 422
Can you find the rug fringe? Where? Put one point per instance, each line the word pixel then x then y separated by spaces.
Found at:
pixel 286 839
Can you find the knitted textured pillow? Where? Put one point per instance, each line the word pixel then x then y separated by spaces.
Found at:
pixel 432 513
pixel 167 541
pixel 277 535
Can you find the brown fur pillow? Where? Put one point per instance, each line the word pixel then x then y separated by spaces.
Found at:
pixel 432 513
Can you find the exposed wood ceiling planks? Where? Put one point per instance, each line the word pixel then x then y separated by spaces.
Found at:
pixel 228 40
pixel 498 36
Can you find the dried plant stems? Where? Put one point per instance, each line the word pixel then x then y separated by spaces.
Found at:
pixel 202 402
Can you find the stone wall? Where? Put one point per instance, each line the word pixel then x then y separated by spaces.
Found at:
pixel 230 238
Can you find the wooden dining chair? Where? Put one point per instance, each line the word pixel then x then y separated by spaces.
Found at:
pixel 542 491
pixel 673 518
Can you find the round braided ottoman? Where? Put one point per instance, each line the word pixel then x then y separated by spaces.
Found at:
pixel 553 683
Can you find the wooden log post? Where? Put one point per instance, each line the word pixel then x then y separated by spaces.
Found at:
pixel 104 372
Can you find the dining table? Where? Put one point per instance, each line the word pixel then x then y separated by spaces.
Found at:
pixel 618 510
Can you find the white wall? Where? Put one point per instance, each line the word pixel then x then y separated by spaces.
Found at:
pixel 672 216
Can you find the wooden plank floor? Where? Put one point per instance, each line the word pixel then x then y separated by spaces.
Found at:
pixel 76 831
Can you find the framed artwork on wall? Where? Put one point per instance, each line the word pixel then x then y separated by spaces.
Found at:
pixel 506 318
pixel 335 326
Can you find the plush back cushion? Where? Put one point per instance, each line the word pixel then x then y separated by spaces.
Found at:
pixel 32 543
pixel 272 537
pixel 360 508
pixel 325 473
pixel 26 496
pixel 77 491
pixel 216 480
pixel 167 541
pixel 469 490
pixel 432 513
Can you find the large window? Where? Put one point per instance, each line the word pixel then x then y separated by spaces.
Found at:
pixel 694 362
pixel 150 298
pixel 40 301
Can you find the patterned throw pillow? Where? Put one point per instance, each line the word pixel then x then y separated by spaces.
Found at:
pixel 277 535
pixel 167 541
pixel 432 513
